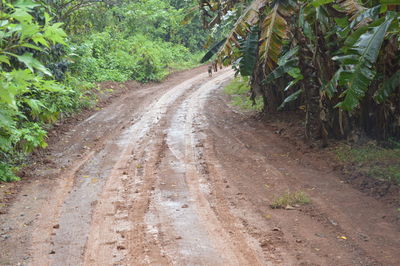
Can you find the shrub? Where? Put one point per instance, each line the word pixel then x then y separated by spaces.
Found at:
pixel 104 56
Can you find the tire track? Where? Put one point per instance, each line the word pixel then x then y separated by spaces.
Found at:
pixel 180 212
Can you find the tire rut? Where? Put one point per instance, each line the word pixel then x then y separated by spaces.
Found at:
pixel 180 213
pixel 98 182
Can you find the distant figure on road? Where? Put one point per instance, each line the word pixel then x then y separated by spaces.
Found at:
pixel 210 69
pixel 215 66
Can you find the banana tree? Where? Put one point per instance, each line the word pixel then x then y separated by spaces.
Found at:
pixel 340 57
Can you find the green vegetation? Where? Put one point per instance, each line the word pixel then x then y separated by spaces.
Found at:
pixel 30 94
pixel 337 58
pixel 290 199
pixel 239 90
pixel 118 49
pixel 52 52
pixel 372 160
pixel 136 58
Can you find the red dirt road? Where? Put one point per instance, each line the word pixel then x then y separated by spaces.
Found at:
pixel 170 174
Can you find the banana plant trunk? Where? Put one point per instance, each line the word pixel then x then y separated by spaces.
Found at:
pixel 311 89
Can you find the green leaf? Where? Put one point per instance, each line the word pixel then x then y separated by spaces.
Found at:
pixel 26 4
pixel 369 44
pixel 371 14
pixel 288 55
pixel 388 87
pixel 317 3
pixel 358 74
pixel 6 171
pixel 39 39
pixel 281 70
pixel 290 98
pixel 248 48
pixel 357 82
pixel 51 85
pixel 7 95
pixel 13 84
pixel 35 105
pixel 390 2
pixel 47 18
pixel 354 37
pixel 28 30
pixel 32 63
pixel 22 16
pixel 331 87
pixel 4 59
pixel 293 82
pixel 28 45
pixel 6 121
pixel 3 23
pixel 347 59
pixel 214 49
pixel 55 33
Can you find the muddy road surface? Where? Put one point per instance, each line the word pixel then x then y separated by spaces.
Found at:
pixel 170 174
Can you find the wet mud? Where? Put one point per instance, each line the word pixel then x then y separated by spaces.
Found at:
pixel 171 174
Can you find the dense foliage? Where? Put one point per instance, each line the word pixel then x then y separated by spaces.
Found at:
pixel 51 51
pixel 336 59
pixel 136 57
pixel 30 95
pixel 139 40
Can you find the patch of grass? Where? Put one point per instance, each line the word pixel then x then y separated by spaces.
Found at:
pixel 239 90
pixel 290 199
pixel 373 160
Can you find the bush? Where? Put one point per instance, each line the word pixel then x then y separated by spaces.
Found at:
pixel 105 57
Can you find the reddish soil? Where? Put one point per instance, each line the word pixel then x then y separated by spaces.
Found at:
pixel 171 174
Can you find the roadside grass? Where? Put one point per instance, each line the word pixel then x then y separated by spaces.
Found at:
pixel 290 199
pixel 372 160
pixel 239 90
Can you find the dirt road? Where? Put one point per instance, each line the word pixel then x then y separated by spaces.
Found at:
pixel 170 174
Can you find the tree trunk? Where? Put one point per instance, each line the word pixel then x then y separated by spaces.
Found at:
pixel 311 89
